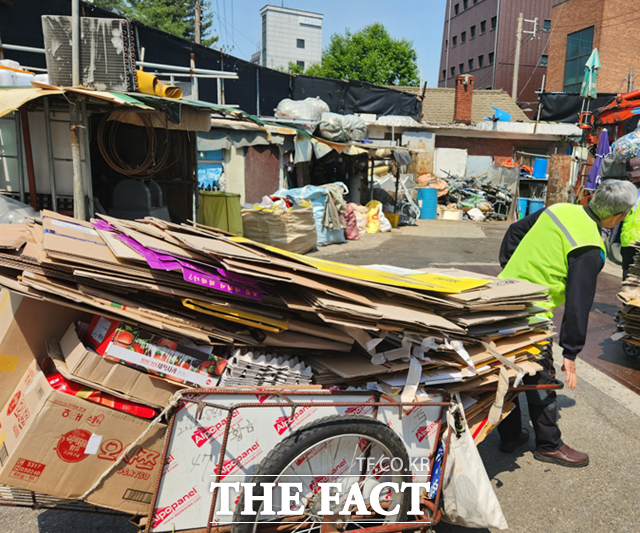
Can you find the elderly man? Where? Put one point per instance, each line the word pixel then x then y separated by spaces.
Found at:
pixel 560 247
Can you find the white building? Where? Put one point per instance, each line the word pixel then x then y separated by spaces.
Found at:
pixel 289 35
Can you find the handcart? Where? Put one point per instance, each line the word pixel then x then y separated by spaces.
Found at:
pixel 300 436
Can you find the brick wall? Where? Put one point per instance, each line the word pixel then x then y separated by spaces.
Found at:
pixel 492 147
pixel 616 36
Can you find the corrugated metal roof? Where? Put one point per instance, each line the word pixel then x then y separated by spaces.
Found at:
pixel 437 106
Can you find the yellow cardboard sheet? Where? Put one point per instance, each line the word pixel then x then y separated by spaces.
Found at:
pixel 421 282
pixel 235 315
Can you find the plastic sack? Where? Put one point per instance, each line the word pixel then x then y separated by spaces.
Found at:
pixel 342 128
pixel 14 212
pixel 291 230
pixel 361 217
pixel 374 208
pixel 351 231
pixel 317 196
pixel 626 147
pixel 467 494
pixel 307 109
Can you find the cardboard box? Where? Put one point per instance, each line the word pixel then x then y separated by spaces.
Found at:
pixel 136 347
pixel 60 445
pixel 106 374
pixel 25 326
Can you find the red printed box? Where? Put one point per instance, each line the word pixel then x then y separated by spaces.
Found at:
pixel 167 358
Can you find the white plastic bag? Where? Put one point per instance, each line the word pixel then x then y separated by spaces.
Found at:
pixel 467 494
pixel 307 109
pixel 385 225
pixel 14 212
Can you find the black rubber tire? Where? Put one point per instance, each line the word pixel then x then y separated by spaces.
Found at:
pixel 307 437
pixel 631 349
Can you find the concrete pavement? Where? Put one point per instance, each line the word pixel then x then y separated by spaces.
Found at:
pixel 600 417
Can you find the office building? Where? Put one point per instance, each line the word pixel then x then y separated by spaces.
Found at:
pixel 578 26
pixel 289 35
pixel 480 39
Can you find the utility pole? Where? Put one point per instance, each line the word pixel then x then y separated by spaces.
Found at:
pixel 79 211
pixel 198 23
pixel 630 80
pixel 516 63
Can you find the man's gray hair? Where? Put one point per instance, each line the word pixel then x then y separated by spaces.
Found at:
pixel 612 198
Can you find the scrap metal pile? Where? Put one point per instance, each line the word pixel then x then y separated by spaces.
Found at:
pixel 469 193
pixel 242 305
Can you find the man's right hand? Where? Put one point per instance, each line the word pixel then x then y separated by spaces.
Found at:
pixel 569 366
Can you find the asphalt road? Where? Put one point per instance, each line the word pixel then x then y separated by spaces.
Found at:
pixel 601 417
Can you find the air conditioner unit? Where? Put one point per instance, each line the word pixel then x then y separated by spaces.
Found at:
pixel 107 53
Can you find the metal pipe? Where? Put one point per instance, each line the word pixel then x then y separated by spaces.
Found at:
pixel 28 155
pixel 19 155
pixel 194 81
pixel 87 156
pixel 495 48
pixel 192 70
pixel 218 92
pixel 19 48
pixel 446 68
pixel 52 173
pixel 75 43
pixel 79 211
pixel 258 92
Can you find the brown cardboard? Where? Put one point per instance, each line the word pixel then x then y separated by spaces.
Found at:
pixel 25 326
pixel 105 374
pixel 47 445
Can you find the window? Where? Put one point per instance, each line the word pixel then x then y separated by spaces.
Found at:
pixel 461 68
pixel 473 32
pixel 579 46
pixel 475 2
pixel 471 64
pixel 480 61
pixel 544 60
pixel 494 22
pixel 300 43
pixel 465 4
pixel 483 27
pixel 546 25
pixel 300 64
pixel 455 40
pixel 456 9
pixel 453 71
pixel 463 37
pixel 446 44
pixel 490 58
pixel 444 74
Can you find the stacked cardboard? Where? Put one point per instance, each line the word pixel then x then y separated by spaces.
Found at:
pixel 348 323
pixel 185 306
pixel 629 315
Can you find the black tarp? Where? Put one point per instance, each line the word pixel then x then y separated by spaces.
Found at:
pixel 20 24
pixel 566 107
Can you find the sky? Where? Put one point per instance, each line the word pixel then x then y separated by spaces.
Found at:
pixel 420 21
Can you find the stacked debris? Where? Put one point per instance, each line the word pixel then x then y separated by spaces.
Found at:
pixel 350 324
pixel 139 310
pixel 494 201
pixel 628 317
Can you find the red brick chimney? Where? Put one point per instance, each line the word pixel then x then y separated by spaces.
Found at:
pixel 463 100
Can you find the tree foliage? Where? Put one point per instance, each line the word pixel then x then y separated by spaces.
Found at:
pixel 172 16
pixel 370 55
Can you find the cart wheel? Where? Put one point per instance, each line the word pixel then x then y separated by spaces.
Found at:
pixel 631 349
pixel 336 449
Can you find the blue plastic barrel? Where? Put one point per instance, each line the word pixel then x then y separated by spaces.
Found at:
pixel 428 203
pixel 540 168
pixel 522 204
pixel 535 206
